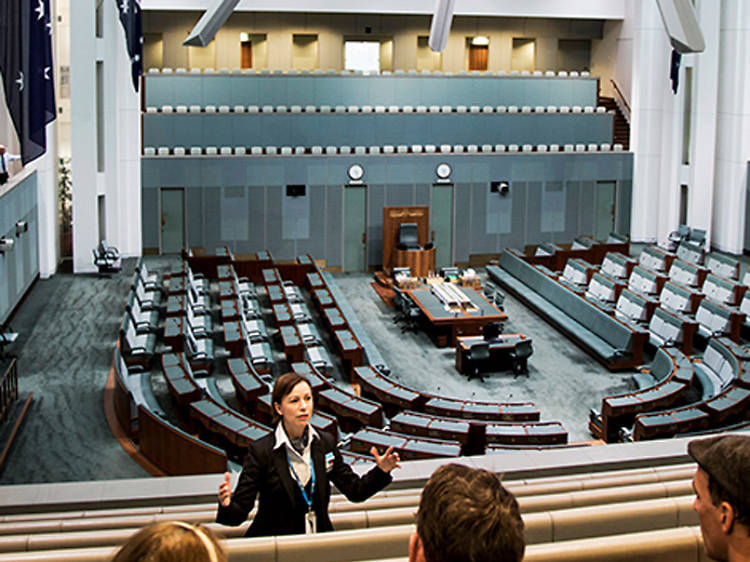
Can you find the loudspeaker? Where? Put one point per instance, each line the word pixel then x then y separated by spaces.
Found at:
pixel 441 24
pixel 681 23
pixel 211 21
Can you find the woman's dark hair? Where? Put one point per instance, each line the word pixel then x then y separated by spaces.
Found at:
pixel 283 386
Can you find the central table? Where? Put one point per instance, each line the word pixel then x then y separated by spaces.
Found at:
pixel 445 325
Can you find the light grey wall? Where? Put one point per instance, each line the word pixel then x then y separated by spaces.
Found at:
pixel 551 199
pixel 19 267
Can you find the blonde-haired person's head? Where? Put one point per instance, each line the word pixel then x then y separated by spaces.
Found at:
pixel 172 541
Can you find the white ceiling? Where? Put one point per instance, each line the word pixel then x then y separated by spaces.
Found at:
pixel 584 9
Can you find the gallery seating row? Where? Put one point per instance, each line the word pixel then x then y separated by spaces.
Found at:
pixel 168 448
pixel 331 150
pixel 141 320
pixel 386 88
pixel 334 72
pixel 555 256
pixel 381 533
pixel 725 396
pixel 617 344
pixel 673 374
pixel 198 109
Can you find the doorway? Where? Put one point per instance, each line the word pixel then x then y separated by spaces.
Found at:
pixel 355 225
pixel 604 220
pixel 172 233
pixel 441 223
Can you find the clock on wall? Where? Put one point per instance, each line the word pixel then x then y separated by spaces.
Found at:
pixel 443 171
pixel 356 172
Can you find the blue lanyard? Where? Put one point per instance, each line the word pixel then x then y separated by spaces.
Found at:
pixel 308 499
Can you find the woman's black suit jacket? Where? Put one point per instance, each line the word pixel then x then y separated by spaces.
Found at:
pixel 281 507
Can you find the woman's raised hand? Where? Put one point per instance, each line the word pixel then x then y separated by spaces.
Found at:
pixel 388 461
pixel 225 491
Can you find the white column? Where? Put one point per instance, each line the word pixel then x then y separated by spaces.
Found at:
pixel 733 127
pixel 700 170
pixel 83 49
pixel 122 175
pixel 48 217
pixel 119 181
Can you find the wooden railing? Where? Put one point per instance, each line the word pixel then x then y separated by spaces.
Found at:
pixel 8 389
pixel 621 100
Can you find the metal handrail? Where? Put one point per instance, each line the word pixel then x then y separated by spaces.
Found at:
pixel 621 100
pixel 8 389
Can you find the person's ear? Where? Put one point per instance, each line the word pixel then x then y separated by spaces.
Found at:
pixel 727 517
pixel 416 552
pixel 278 407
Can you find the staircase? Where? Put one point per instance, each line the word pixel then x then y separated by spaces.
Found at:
pixel 621 133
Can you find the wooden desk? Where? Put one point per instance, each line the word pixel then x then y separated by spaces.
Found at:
pixel 174 332
pixel 421 262
pixel 500 349
pixel 234 340
pixel 176 305
pixel 449 325
pixel 290 339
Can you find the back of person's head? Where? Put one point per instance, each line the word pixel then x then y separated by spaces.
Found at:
pixel 466 514
pixel 172 542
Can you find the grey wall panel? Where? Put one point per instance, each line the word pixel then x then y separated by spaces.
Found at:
pixel 194 216
pixel 532 212
pixel 257 212
pixel 173 172
pixel 212 205
pixel 243 92
pixel 375 204
pixel 586 218
pixel 572 212
pixel 315 243
pixel 150 217
pixel 392 180
pixel 482 242
pixel 624 204
pixel 334 220
pixel 462 225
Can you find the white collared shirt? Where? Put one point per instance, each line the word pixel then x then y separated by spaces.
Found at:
pixel 300 463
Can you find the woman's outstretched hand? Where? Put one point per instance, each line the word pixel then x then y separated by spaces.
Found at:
pixel 225 491
pixel 388 461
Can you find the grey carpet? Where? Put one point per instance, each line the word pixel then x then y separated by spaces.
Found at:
pixel 558 370
pixel 68 326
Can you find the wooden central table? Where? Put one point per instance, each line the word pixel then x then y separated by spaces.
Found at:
pixel 447 325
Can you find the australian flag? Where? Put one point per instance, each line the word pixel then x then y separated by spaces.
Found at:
pixel 130 17
pixel 26 68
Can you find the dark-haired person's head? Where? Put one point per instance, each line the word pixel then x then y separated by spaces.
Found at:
pixel 172 541
pixel 466 514
pixel 722 495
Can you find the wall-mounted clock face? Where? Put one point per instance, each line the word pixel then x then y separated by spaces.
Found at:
pixel 443 171
pixel 356 172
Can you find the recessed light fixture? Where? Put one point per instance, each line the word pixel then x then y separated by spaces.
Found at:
pixel 480 41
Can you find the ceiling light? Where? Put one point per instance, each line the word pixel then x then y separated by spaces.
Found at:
pixel 480 40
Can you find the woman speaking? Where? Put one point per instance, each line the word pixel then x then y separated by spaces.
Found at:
pixel 292 468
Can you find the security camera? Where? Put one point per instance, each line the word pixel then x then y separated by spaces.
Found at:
pixel 6 245
pixel 21 227
pixel 504 188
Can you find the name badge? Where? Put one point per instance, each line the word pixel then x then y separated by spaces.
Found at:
pixel 329 460
pixel 310 523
